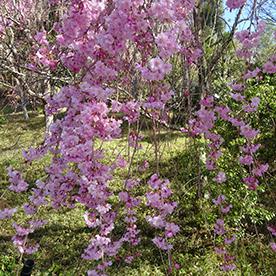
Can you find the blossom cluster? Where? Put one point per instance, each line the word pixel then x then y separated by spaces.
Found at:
pixel 131 203
pixel 20 239
pixel 221 231
pixel 7 213
pixel 18 184
pixel 272 230
pixel 249 41
pixel 158 199
pixel 235 4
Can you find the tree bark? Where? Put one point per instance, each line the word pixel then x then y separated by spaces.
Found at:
pixel 49 119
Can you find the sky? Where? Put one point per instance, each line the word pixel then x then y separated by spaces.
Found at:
pixel 230 16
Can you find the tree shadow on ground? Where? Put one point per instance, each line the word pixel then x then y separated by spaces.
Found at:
pixel 161 137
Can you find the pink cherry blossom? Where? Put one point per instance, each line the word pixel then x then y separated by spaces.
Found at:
pixel 260 169
pixel 248 132
pixel 219 227
pixel 7 213
pixel 230 240
pixel 17 183
pixel 162 244
pixel 221 177
pixel 251 182
pixel 273 246
pixel 235 4
pixel 219 200
pixel 228 267
pixel 272 229
pixel 171 229
pixel 226 209
pixel 246 160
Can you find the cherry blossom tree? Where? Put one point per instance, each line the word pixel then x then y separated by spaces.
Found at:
pixel 122 59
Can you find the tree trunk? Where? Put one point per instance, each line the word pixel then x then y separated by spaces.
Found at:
pixel 23 99
pixel 25 111
pixel 49 119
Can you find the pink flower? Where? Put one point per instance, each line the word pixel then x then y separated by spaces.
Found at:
pixel 251 74
pixel 104 72
pixel 93 273
pixel 162 244
pixel 235 4
pixel 255 102
pixel 237 97
pixel 210 165
pixel 123 196
pixel 250 148
pixel 235 122
pixel 168 208
pixel 167 44
pixel 219 227
pixel 171 230
pixel 246 160
pixel 207 101
pixel 91 220
pixel 131 183
pixel 7 213
pixel 143 166
pixel 96 92
pixel 225 209
pixel 155 182
pixel 53 2
pixel 103 209
pixel 121 162
pixel 31 249
pixel 96 248
pixel 253 106
pixel 220 251
pixel 157 69
pixel 273 246
pixel 153 199
pixel 269 67
pixel 230 240
pixel 36 224
pixel 115 106
pixel 228 267
pixel 219 200
pixel 207 118
pixel 248 132
pixel 272 229
pixel 41 38
pixel 129 259
pixel 220 178
pixel 17 183
pixel 21 231
pixel 133 140
pixel 237 86
pixel 156 221
pixel 260 170
pixel 223 112
pixel 131 111
pixel 251 182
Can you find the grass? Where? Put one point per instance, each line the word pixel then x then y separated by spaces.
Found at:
pixel 65 236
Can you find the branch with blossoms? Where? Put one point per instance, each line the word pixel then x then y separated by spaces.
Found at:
pixel 135 46
pixel 158 199
pixel 27 73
